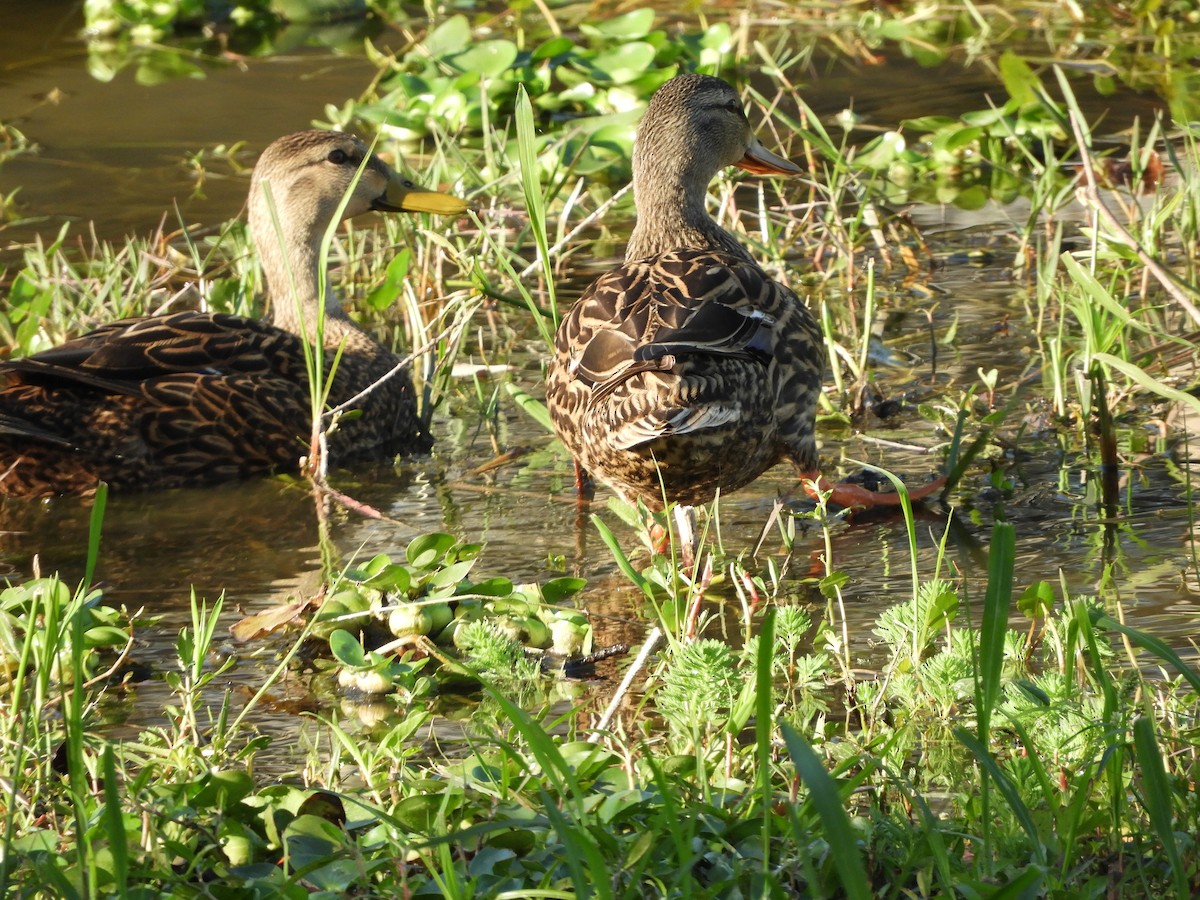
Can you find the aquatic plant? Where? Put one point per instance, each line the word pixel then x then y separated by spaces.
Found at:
pixel 409 626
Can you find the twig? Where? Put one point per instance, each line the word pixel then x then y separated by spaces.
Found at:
pixel 347 501
pixel 639 663
pixel 403 364
pixel 584 223
pixel 893 445
pixel 1089 195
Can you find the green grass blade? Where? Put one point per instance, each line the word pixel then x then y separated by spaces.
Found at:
pixel 95 523
pixel 1149 642
pixel 763 731
pixel 1008 789
pixel 909 523
pixel 1148 381
pixel 1026 886
pixel 622 561
pixel 114 823
pixel 532 407
pixel 994 625
pixel 823 790
pixel 535 205
pixel 582 852
pixel 1082 614
pixel 1156 796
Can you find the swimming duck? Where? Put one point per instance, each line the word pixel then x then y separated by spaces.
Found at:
pixel 688 369
pixel 196 398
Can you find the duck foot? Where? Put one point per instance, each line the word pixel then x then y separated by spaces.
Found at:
pixel 659 535
pixel 855 496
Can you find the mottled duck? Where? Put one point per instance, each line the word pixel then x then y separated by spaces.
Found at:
pixel 196 398
pixel 688 369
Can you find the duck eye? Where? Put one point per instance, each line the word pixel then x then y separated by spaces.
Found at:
pixel 337 157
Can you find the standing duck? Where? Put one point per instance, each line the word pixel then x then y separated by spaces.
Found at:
pixel 195 398
pixel 687 369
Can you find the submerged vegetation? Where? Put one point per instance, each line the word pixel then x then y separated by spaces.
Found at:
pixel 988 734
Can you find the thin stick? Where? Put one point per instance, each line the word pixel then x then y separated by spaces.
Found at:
pixel 1089 195
pixel 584 223
pixel 652 640
pixel 399 367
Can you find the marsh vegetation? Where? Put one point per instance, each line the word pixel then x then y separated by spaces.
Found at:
pixel 992 697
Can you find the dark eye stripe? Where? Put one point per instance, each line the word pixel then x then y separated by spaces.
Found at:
pixel 340 157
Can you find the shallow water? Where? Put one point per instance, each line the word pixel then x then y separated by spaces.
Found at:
pixel 114 154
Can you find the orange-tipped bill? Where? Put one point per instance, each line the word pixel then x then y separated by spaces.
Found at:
pixel 761 161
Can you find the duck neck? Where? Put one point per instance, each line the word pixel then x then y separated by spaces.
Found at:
pixel 671 211
pixel 293 268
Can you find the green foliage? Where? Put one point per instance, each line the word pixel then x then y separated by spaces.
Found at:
pixel 699 689
pixel 600 80
pixel 42 623
pixel 150 21
pixel 375 614
pixel 1072 756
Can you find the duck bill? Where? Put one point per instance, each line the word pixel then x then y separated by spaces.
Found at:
pixel 404 196
pixel 761 161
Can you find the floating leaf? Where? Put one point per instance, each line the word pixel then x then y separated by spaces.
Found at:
pixel 347 650
pixel 493 587
pixel 392 578
pixel 425 550
pixel 452 574
pixel 552 48
pixel 452 36
pixel 882 151
pixel 958 138
pixel 487 58
pixel 221 790
pixel 264 623
pixel 558 589
pixel 325 805
pixel 627 27
pixel 420 813
pixel 622 64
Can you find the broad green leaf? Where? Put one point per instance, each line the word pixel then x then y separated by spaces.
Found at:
pixel 426 549
pixel 533 407
pixel 627 27
pixel 105 636
pixel 451 574
pixel 835 823
pixel 346 649
pixel 1019 79
pixel 452 36
pixel 552 48
pixel 557 590
pixel 1037 599
pixel 393 283
pixel 487 58
pixel 623 64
